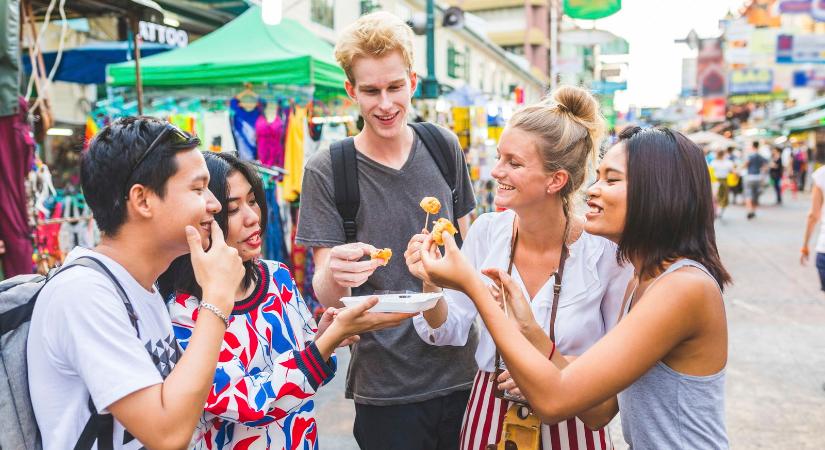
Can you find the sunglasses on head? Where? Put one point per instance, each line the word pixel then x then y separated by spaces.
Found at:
pixel 174 137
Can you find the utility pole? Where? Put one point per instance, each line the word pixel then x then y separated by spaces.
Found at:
pixel 429 85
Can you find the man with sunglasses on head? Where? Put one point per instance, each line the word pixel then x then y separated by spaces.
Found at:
pixel 104 367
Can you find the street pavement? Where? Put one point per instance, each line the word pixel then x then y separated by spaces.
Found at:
pixel 776 317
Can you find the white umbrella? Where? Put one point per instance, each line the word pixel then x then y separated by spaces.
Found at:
pixel 713 140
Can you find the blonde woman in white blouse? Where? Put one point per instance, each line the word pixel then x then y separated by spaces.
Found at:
pixel 543 155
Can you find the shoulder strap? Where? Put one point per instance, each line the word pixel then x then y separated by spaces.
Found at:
pixel 96 265
pixel 444 157
pixel 440 151
pixel 100 427
pixel 345 184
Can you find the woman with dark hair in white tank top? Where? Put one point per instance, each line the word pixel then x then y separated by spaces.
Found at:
pixel 663 365
pixel 572 283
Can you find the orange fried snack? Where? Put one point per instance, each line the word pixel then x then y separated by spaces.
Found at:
pixel 439 226
pixel 384 253
pixel 431 205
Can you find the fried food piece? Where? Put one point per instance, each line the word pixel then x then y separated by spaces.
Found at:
pixel 384 253
pixel 431 205
pixel 441 225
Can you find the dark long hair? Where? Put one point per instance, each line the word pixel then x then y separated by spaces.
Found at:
pixel 670 210
pixel 180 277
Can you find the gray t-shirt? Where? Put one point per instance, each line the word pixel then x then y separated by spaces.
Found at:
pixel 392 366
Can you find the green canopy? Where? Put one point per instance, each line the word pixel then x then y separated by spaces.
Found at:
pixel 244 50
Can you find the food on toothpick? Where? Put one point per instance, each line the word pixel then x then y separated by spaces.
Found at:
pixel 431 205
pixel 440 226
pixel 383 254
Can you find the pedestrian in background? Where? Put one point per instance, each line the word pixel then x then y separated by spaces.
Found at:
pixel 776 171
pixel 736 187
pixel 800 166
pixel 755 167
pixel 722 169
pixel 814 217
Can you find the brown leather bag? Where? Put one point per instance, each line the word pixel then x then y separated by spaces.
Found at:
pixel 521 429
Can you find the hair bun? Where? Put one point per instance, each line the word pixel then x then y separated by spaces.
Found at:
pixel 578 102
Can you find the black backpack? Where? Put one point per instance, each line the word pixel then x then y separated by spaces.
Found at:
pixel 17 298
pixel 345 173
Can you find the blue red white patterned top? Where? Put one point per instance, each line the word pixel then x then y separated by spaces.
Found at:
pixel 268 369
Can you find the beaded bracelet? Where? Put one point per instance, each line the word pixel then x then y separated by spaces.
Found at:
pixel 214 309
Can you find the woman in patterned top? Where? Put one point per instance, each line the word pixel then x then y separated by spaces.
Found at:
pixel 274 357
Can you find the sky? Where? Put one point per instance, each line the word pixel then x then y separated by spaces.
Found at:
pixel 655 61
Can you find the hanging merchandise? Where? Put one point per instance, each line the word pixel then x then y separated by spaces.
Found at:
pixel 186 122
pixel 294 154
pixel 308 291
pixel 47 252
pixel 299 252
pixel 245 109
pixel 274 242
pixel 78 229
pixel 91 130
pixel 332 132
pixel 16 153
pixel 217 135
pixel 270 140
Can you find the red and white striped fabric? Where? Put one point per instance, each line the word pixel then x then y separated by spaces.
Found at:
pixel 484 416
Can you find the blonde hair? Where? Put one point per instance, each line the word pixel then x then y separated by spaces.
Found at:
pixel 568 128
pixel 374 35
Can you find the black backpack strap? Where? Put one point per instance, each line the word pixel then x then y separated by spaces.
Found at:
pixel 100 428
pixel 444 157
pixel 96 265
pixel 345 184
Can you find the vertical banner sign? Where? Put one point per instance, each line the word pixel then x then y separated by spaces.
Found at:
pixel 710 71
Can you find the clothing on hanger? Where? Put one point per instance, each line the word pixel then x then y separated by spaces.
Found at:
pixel 294 155
pixel 243 128
pixel 270 140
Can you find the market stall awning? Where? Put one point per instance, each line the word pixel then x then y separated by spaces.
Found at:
pixel 87 64
pixel 244 50
pixel 816 104
pixel 815 119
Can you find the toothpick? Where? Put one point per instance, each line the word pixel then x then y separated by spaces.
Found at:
pixel 504 299
pixel 427 221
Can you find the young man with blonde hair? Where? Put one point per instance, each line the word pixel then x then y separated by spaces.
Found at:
pixel 408 395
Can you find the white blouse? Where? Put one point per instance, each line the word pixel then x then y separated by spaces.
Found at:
pixel 593 286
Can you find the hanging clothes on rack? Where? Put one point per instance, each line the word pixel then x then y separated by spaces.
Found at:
pixel 47 239
pixel 294 154
pixel 16 153
pixel 332 132
pixel 79 229
pixel 299 252
pixel 184 121
pixel 274 239
pixel 270 141
pixel 217 135
pixel 243 128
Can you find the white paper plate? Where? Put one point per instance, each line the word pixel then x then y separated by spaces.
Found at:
pixel 403 303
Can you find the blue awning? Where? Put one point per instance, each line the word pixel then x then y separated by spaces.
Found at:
pixel 87 64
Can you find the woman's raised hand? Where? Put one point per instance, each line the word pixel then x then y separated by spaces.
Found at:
pixel 450 270
pixel 518 308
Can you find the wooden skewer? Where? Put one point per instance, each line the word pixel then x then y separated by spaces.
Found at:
pixel 504 300
pixel 427 221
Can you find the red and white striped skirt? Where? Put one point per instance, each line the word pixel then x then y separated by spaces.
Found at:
pixel 484 416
